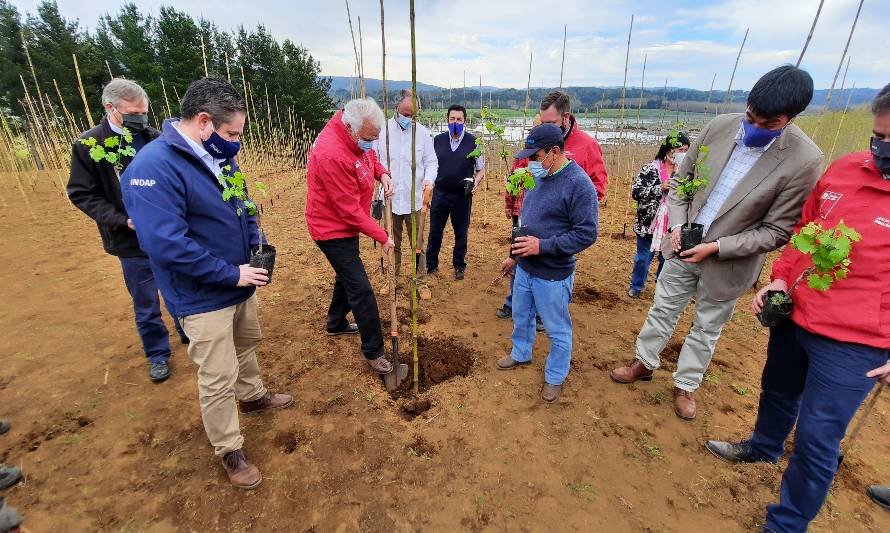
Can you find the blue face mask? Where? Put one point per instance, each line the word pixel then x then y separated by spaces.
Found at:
pixel 221 148
pixel 456 128
pixel 365 145
pixel 404 122
pixel 758 137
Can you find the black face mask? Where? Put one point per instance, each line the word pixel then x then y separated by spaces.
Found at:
pixel 880 151
pixel 135 123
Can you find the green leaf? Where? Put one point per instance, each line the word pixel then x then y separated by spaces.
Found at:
pixel 227 194
pixel 111 142
pixel 97 153
pixel 112 157
pixel 819 282
pixel 89 141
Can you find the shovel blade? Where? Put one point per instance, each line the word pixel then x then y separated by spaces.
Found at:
pixel 395 377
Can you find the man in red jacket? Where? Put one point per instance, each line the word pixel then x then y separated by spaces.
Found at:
pixel 822 363
pixel 556 109
pixel 342 169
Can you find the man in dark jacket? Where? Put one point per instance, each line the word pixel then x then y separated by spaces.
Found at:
pixel 97 159
pixel 199 240
pixel 457 180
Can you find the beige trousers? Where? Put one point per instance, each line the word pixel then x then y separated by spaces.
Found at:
pixel 223 345
pixel 402 223
pixel 678 282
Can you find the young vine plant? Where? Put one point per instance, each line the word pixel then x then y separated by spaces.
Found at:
pixel 111 149
pixel 829 249
pixel 235 186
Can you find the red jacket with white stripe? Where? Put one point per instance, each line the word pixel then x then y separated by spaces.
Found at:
pixel 855 309
pixel 580 148
pixel 340 183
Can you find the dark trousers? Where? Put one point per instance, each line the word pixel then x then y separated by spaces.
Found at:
pixel 353 292
pixel 458 207
pixel 140 282
pixel 817 383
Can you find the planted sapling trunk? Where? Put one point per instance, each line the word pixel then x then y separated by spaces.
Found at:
pixel 235 186
pixel 830 252
pixel 691 234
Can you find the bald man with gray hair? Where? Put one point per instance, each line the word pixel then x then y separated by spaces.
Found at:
pixel 94 187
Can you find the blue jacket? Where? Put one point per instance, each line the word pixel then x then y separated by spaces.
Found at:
pixel 194 239
pixel 562 212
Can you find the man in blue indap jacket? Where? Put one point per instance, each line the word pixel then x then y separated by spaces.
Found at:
pixel 561 214
pixel 199 246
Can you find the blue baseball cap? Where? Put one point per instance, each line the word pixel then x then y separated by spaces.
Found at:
pixel 541 137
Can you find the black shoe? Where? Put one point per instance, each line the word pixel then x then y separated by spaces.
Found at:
pixel 350 329
pixel 158 372
pixel 431 271
pixel 459 274
pixel 740 452
pixel 539 324
pixel 9 476
pixel 880 495
pixel 4 426
pixel 504 312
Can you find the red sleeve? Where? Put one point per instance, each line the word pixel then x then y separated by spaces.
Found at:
pixel 341 183
pixel 596 169
pixel 783 267
pixel 379 169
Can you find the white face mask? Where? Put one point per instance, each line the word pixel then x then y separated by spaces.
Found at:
pixel 678 158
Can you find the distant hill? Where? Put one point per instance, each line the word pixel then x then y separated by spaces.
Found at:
pixel 585 98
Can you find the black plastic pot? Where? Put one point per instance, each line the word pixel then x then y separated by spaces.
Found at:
pixel 772 314
pixel 469 183
pixel 264 259
pixel 518 231
pixel 690 236
pixel 377 209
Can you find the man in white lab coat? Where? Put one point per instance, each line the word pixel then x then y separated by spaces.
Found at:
pixel 398 161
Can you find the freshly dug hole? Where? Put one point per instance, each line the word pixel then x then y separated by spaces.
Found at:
pixel 585 294
pixel 441 358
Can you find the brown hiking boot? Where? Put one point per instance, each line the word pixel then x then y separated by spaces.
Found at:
pixel 684 404
pixel 549 393
pixel 267 402
pixel 634 371
pixel 242 474
pixel 508 363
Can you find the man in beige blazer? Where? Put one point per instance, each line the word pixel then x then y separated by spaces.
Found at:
pixel 762 168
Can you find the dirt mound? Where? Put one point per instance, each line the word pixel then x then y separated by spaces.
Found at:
pixel 413 407
pixel 441 358
pixel 585 294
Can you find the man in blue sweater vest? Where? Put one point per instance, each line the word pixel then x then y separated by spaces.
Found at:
pixel 457 180
pixel 561 214
pixel 199 247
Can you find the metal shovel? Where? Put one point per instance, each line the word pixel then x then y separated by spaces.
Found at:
pixel 399 371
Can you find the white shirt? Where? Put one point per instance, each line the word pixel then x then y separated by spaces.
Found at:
pixel 740 163
pixel 115 128
pixel 480 161
pixel 212 163
pixel 400 168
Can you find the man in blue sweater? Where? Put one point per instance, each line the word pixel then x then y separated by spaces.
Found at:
pixel 199 245
pixel 560 213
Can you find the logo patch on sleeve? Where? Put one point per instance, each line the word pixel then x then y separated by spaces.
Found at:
pixel 139 182
pixel 829 200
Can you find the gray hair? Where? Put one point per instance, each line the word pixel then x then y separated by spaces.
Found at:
pixel 358 111
pixel 122 89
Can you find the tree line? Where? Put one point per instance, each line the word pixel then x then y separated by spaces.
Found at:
pixel 163 53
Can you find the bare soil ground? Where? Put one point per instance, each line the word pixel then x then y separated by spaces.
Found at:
pixel 103 449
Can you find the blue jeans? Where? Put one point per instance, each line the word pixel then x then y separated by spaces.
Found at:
pixel 140 281
pixel 550 300
pixel 642 260
pixel 818 383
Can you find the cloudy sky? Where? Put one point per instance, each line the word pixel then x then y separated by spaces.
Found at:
pixel 687 43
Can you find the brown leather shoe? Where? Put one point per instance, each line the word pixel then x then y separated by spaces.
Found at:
pixel 266 402
pixel 508 363
pixel 684 404
pixel 549 393
pixel 634 371
pixel 242 474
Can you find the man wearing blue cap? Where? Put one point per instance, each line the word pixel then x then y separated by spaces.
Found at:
pixel 560 214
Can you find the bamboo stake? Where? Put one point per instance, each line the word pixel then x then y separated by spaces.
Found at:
pixel 413 212
pixel 228 73
pixel 68 114
pixel 34 76
pixel 83 95
pixel 710 91
pixel 640 102
pixel 843 55
pixel 840 124
pixel 621 113
pixel 204 55
pixel 110 75
pixel 565 29
pixel 361 56
pixel 355 50
pixel 844 79
pixel 810 35
pixel 528 88
pixel 166 101
pixel 728 103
